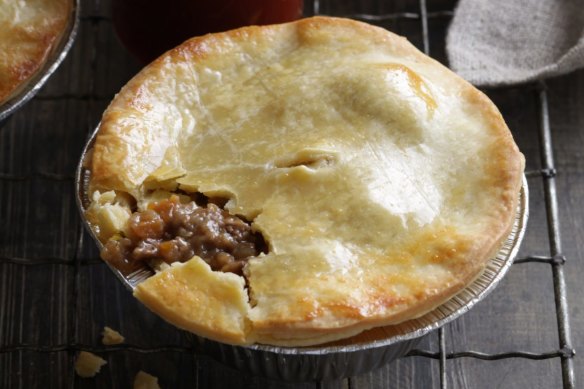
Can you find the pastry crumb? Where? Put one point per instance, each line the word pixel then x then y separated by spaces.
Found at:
pixel 111 336
pixel 144 380
pixel 88 364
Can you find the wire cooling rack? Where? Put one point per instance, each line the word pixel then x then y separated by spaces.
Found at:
pixel 555 259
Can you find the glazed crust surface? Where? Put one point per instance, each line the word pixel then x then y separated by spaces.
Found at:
pixel 29 31
pixel 381 181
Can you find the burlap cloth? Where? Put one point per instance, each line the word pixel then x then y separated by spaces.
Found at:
pixel 502 42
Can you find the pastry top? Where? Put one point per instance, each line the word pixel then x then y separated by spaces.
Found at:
pixel 381 181
pixel 30 28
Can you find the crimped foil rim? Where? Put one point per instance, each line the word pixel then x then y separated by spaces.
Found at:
pixel 459 304
pixel 36 82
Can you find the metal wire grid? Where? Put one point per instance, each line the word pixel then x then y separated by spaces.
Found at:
pixel 547 173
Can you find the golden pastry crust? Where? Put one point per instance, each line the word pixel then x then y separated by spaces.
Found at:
pixel 382 182
pixel 29 31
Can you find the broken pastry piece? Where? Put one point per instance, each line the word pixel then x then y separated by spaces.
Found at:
pixel 144 380
pixel 111 337
pixel 300 183
pixel 88 365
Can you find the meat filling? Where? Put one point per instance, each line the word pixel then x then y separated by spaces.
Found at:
pixel 171 231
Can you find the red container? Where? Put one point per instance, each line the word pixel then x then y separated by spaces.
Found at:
pixel 148 28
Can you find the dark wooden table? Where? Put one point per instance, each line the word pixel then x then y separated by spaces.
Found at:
pixel 56 296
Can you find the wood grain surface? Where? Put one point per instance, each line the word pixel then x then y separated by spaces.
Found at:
pixel 56 296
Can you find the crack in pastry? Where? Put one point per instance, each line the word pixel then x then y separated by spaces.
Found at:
pixel 382 182
pixel 310 158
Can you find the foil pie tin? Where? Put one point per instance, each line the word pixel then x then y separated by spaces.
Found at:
pixel 58 53
pixel 357 355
